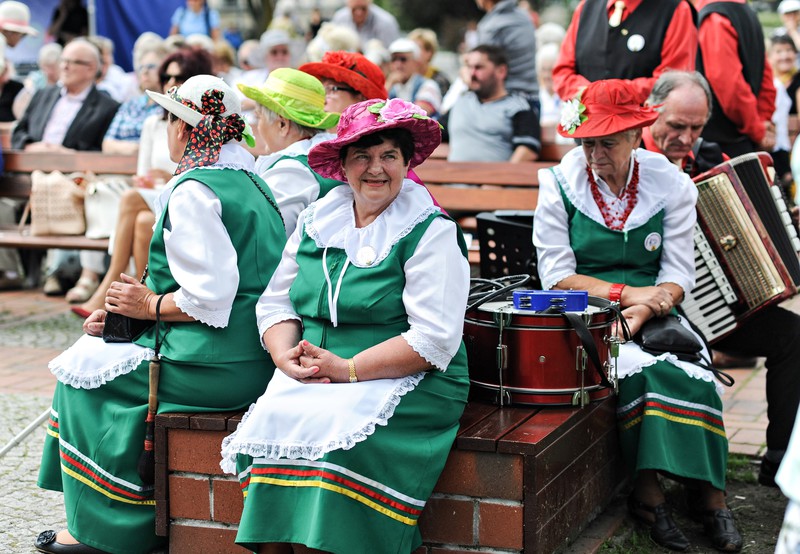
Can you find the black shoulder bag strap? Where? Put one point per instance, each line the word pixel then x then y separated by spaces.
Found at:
pixel 577 323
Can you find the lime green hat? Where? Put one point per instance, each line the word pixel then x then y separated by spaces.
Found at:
pixel 295 95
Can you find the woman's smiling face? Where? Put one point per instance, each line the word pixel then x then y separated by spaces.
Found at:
pixel 375 174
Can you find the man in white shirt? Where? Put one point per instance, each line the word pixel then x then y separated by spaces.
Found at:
pixel 405 82
pixel 369 21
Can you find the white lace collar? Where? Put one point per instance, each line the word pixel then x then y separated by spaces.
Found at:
pixel 330 222
pixel 656 173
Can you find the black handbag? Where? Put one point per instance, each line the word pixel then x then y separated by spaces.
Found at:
pixel 122 328
pixel 666 334
pixel 660 335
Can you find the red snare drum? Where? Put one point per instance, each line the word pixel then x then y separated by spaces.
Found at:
pixel 521 357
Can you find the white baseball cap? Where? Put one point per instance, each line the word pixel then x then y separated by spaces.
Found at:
pixel 788 6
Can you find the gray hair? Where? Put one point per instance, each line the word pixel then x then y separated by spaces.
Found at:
pixel 272 117
pixel 50 53
pixel 671 80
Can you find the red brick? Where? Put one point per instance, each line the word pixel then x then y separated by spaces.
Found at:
pixel 189 498
pixel 195 451
pixel 446 520
pixel 500 525
pixel 482 474
pixel 228 502
pixel 185 539
pixel 456 550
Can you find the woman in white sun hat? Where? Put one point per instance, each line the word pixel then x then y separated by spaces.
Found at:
pixel 15 22
pixel 216 242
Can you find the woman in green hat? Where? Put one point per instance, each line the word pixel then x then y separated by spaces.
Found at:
pixel 291 119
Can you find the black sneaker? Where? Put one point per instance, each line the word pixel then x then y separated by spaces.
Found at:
pixel 766 474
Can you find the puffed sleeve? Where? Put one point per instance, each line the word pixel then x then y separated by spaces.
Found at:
pixel 556 260
pixel 435 294
pixel 200 254
pixel 294 188
pixel 677 256
pixel 274 305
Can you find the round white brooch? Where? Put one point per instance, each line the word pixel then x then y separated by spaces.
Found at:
pixel 366 255
pixel 635 43
pixel 652 242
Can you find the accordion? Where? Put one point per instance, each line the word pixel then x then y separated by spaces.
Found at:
pixel 745 246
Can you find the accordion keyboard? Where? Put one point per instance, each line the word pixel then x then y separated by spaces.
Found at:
pixel 708 306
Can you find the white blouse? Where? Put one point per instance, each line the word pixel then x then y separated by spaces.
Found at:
pixel 203 261
pixel 435 305
pixel 661 186
pixel 292 183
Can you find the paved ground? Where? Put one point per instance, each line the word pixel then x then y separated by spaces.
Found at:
pixel 35 328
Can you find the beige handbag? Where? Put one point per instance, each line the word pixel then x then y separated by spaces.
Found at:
pixel 56 204
pixel 101 203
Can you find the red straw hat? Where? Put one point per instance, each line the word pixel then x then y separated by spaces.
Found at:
pixel 604 108
pixel 350 68
pixel 372 116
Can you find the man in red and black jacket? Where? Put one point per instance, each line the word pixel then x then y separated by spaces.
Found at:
pixel 625 39
pixel 732 58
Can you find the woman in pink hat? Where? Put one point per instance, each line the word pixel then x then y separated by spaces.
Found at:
pixel 618 221
pixel 364 318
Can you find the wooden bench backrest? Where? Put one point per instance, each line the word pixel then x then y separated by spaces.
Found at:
pixel 501 186
pixel 16 181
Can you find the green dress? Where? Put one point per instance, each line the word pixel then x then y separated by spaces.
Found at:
pixel 95 435
pixel 667 420
pixel 364 497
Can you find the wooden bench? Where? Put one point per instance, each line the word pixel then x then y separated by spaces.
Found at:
pixel 15 183
pixel 518 479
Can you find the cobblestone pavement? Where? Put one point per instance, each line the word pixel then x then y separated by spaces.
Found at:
pixel 33 328
pixel 25 509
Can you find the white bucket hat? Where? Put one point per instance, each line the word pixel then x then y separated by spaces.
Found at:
pixel 193 90
pixel 15 16
pixel 213 109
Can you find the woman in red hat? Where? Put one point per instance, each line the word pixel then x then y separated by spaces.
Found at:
pixel 618 221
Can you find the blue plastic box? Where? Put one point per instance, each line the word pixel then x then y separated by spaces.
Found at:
pixel 540 300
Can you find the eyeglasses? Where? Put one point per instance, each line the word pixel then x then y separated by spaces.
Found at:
pixel 68 61
pixel 165 77
pixel 332 89
pixel 401 59
pixel 147 67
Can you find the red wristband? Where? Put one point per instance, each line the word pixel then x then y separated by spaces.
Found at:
pixel 615 292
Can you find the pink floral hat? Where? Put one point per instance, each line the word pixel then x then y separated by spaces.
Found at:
pixel 372 116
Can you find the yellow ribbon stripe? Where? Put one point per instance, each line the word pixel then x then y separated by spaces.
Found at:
pixel 52 433
pixel 334 488
pixel 675 419
pixel 104 492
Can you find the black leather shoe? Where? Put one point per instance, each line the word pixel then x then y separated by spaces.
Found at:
pixel 767 471
pixel 721 529
pixel 663 529
pixel 46 542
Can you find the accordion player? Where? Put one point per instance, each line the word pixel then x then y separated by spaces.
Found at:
pixel 746 246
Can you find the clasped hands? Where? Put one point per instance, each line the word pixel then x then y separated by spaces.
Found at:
pixel 644 303
pixel 128 297
pixel 309 363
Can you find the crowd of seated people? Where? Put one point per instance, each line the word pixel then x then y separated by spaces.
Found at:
pixel 196 110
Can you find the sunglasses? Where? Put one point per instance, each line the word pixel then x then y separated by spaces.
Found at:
pixel 333 89
pixel 401 59
pixel 165 77
pixel 279 52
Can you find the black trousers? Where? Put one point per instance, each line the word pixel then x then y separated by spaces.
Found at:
pixel 773 333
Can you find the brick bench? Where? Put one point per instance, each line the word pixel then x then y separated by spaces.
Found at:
pixel 519 479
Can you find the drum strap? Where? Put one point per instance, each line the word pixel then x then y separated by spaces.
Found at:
pixel 577 323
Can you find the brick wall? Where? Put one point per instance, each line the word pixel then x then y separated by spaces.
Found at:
pixel 519 479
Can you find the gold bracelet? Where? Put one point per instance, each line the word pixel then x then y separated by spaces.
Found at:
pixel 351 366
